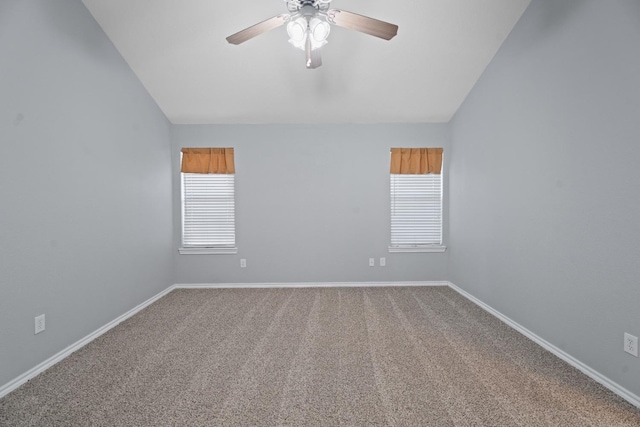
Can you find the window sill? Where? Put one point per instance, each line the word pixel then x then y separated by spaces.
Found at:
pixel 208 251
pixel 397 249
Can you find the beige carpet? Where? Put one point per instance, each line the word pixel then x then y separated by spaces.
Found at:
pixel 322 356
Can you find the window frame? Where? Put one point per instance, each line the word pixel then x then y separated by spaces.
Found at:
pixel 209 249
pixel 416 248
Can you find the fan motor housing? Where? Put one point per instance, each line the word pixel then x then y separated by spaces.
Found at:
pixel 299 5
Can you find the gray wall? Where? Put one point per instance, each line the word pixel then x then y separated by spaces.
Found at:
pixel 312 203
pixel 545 192
pixel 85 221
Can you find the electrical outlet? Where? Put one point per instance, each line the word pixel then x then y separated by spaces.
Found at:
pixel 372 262
pixel 383 261
pixel 243 263
pixel 40 325
pixel 631 344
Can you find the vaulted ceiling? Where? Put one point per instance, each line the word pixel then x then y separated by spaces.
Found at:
pixel 177 48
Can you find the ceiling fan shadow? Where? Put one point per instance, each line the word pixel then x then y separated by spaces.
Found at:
pixel 340 58
pixel 327 82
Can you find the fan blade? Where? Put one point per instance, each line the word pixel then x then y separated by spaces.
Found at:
pixel 256 30
pixel 361 23
pixel 314 60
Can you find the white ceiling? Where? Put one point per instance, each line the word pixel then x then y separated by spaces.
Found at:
pixel 177 48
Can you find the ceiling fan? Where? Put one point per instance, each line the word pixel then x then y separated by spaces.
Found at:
pixel 308 27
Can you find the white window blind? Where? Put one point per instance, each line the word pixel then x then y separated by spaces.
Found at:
pixel 208 210
pixel 416 210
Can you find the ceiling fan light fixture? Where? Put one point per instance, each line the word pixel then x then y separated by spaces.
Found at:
pixel 319 30
pixel 308 25
pixel 315 29
pixel 297 30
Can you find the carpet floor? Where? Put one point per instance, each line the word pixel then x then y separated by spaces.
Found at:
pixel 314 356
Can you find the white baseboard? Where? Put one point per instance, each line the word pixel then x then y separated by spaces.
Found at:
pixel 306 285
pixel 41 367
pixel 606 382
pixel 588 371
pixel 31 373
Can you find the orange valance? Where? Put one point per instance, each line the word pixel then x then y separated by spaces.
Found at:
pixel 416 160
pixel 208 160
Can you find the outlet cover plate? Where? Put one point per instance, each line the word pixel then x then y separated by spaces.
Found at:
pixel 631 344
pixel 372 262
pixel 40 325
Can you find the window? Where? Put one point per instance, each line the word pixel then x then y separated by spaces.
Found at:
pixel 208 214
pixel 416 213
